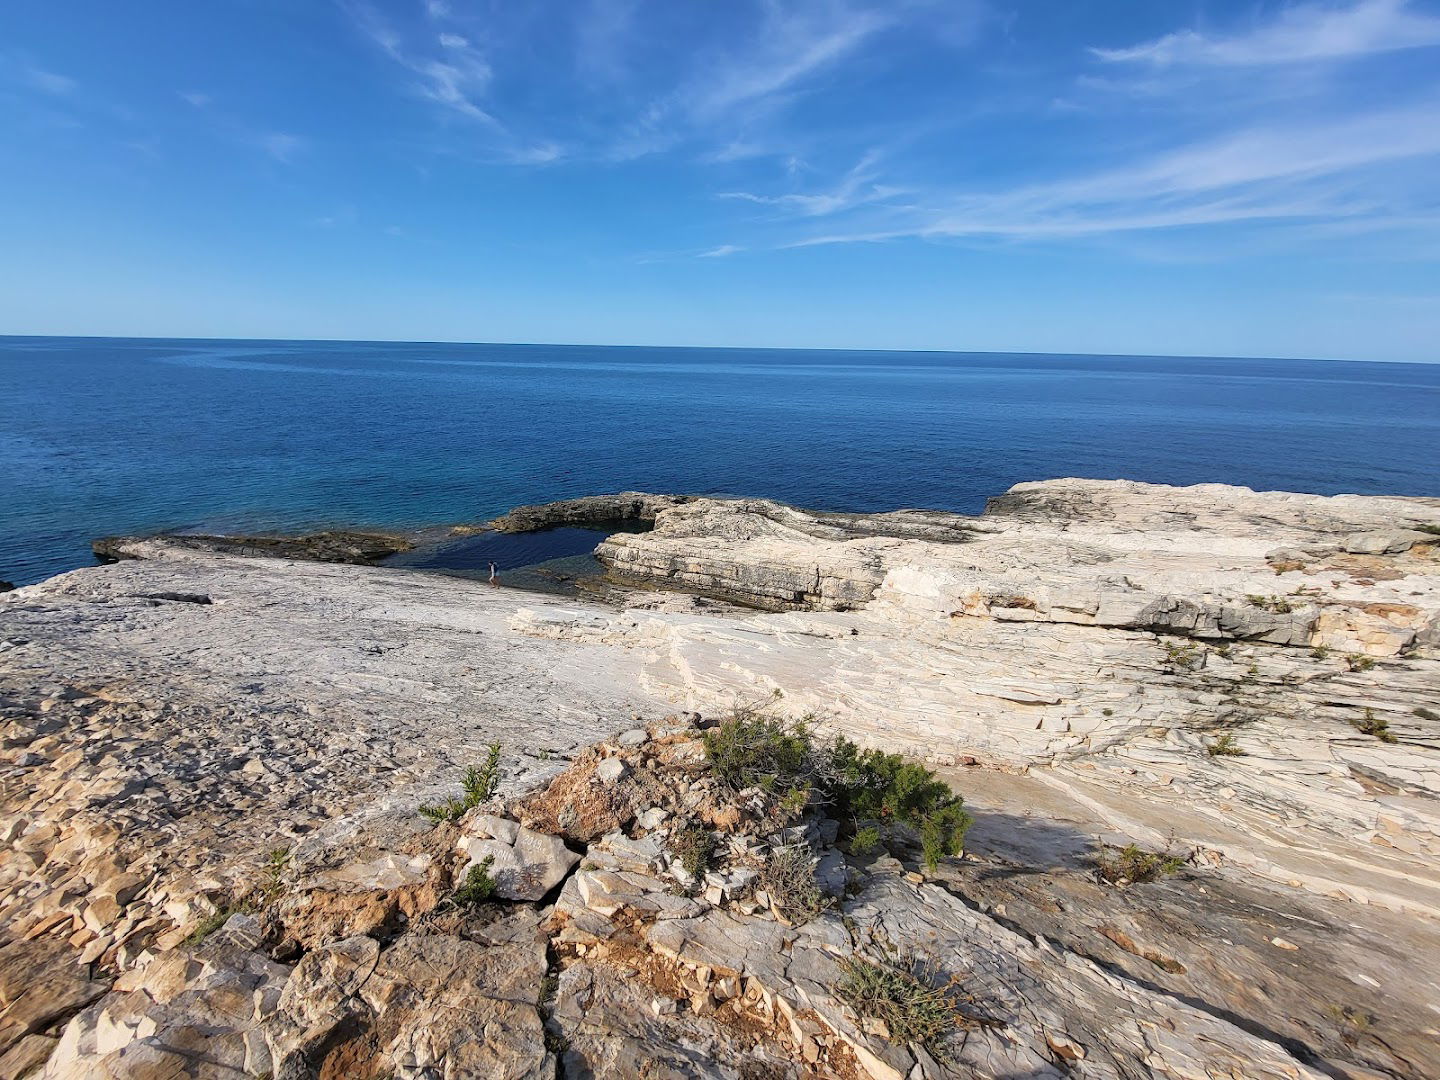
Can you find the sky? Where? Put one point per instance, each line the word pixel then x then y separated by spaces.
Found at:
pixel 1197 177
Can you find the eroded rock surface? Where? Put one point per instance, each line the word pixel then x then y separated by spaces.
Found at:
pixel 196 739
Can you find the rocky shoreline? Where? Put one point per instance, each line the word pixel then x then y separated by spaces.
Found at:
pixel 238 737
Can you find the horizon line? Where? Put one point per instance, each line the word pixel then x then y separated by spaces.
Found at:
pixel 741 348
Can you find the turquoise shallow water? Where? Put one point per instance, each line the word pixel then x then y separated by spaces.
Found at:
pixel 134 435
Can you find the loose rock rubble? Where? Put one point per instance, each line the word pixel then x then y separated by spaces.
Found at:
pixel 627 965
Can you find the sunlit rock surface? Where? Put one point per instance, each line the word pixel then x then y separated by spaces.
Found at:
pixel 194 738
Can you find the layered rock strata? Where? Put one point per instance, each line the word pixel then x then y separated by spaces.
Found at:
pixel 193 730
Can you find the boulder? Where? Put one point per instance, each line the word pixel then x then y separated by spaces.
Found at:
pixel 525 864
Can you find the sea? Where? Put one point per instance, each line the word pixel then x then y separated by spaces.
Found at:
pixel 104 436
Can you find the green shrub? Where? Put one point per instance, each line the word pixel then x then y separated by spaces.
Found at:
pixel 1374 725
pixel 789 878
pixel 1186 656
pixel 478 886
pixel 871 785
pixel 1321 652
pixel 1225 746
pixel 866 840
pixel 694 846
pixel 1132 866
pixel 479 785
pixel 753 749
pixel 911 1009
pixel 1359 662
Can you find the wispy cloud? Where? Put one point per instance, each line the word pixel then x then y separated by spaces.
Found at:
pixel 856 188
pixel 1323 172
pixel 454 76
pixel 793 43
pixel 47 82
pixel 19 70
pixel 1302 32
pixel 280 145
pixel 198 100
pixel 721 251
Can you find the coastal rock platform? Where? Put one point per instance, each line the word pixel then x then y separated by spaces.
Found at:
pixel 212 763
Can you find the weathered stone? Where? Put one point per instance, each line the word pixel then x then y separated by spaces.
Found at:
pixel 525 864
pixel 610 770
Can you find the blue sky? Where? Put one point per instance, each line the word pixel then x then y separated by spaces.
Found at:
pixel 1144 176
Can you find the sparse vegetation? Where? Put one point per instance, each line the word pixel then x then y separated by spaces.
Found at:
pixel 1353 1023
pixel 1278 605
pixel 782 757
pixel 1433 530
pixel 276 863
pixel 212 922
pixel 694 846
pixel 1359 662
pixel 1321 652
pixel 1427 714
pixel 1186 656
pixel 1378 726
pixel 1225 746
pixel 479 785
pixel 906 1007
pixel 1107 712
pixel 478 886
pixel 1132 866
pixel 788 877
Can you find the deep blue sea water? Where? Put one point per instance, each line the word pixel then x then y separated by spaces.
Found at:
pixel 105 436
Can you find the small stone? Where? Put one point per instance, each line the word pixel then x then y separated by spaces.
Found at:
pixel 1281 943
pixel 610 770
pixel 633 738
pixel 664 1006
pixel 652 818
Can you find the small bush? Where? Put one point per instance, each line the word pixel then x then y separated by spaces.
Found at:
pixel 694 846
pixel 1321 652
pixel 911 1009
pixel 1131 866
pixel 1185 656
pixel 1378 726
pixel 1433 530
pixel 789 878
pixel 871 785
pixel 752 749
pixel 478 886
pixel 866 840
pixel 1359 662
pixel 479 785
pixel 1225 746
pixel 276 863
